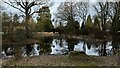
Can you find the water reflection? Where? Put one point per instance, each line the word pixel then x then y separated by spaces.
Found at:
pixel 92 51
pixel 79 46
pixel 62 47
pixel 59 47
pixel 31 50
pixel 7 52
pixel 83 47
pixel 101 50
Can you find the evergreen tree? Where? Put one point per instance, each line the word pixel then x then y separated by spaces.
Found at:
pixel 88 25
pixel 82 29
pixel 70 25
pixel 44 23
pixel 96 24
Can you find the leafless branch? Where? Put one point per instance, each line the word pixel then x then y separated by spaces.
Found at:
pixel 14 6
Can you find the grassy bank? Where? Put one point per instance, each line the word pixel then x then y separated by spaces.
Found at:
pixel 63 60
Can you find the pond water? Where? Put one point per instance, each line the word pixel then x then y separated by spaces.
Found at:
pixel 61 47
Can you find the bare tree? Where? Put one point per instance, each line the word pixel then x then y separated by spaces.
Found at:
pixel 25 7
pixel 74 10
pixel 102 9
pixel 114 14
pixel 65 10
pixel 81 10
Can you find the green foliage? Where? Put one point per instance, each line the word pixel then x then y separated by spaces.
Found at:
pixel 72 27
pixel 44 23
pixel 45 47
pixel 96 26
pixel 88 25
pixel 19 35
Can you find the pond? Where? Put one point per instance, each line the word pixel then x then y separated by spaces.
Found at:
pixel 63 46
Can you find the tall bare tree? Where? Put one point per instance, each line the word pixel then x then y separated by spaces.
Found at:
pixel 25 6
pixel 102 9
pixel 76 10
pixel 65 10
pixel 114 14
pixel 72 11
pixel 81 10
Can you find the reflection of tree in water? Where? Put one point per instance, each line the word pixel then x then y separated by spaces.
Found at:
pixel 59 46
pixel 84 48
pixel 45 45
pixel 28 49
pixel 116 43
pixel 88 45
pixel 71 43
pixel 63 46
pixel 106 49
pixel 102 51
pixel 9 51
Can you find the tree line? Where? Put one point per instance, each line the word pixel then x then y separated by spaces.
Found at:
pixel 106 19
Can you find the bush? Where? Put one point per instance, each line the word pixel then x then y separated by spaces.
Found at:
pixel 19 35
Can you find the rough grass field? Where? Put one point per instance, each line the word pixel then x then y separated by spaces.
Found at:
pixel 63 60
